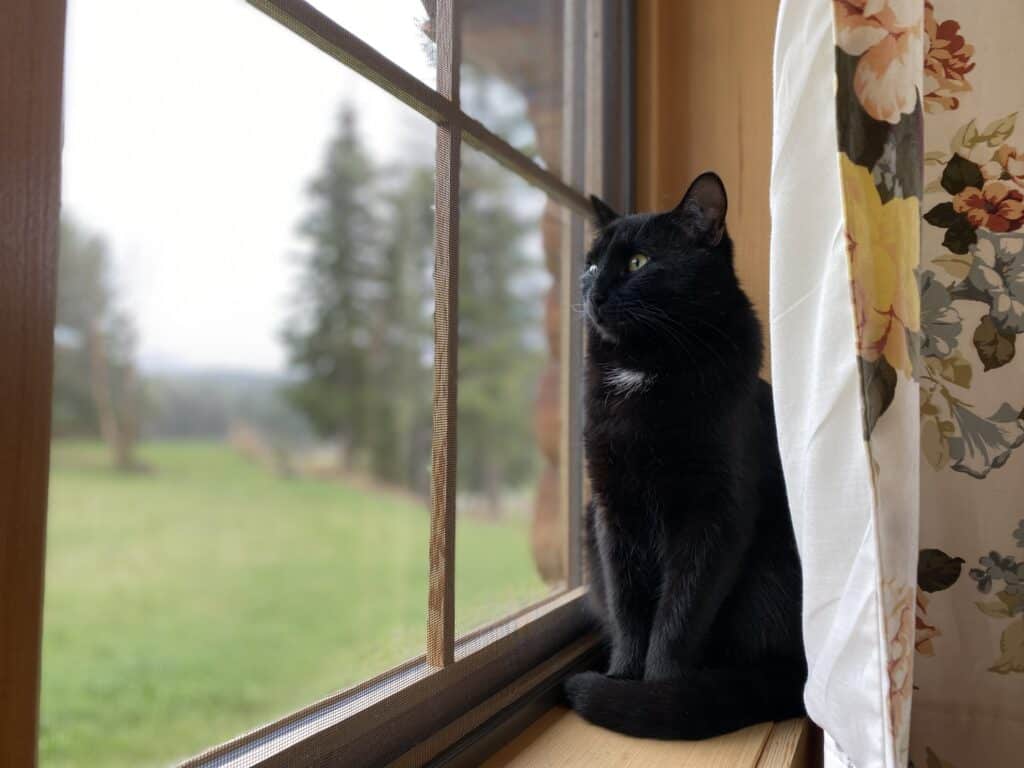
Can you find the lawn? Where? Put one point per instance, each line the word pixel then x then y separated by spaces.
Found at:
pixel 208 596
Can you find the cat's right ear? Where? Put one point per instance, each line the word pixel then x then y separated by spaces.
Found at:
pixel 603 213
pixel 705 204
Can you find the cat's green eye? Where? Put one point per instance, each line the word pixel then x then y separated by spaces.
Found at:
pixel 637 262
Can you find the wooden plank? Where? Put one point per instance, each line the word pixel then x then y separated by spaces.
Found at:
pixel 792 744
pixel 704 102
pixel 564 739
pixel 31 75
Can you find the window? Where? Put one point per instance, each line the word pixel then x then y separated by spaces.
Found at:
pixel 316 406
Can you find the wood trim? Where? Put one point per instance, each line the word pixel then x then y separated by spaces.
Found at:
pixel 704 102
pixel 31 75
pixel 31 89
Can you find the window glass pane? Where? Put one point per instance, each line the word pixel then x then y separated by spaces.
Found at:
pixel 514 73
pixel 399 29
pixel 238 516
pixel 511 532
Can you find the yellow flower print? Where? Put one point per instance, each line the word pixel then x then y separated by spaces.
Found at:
pixel 882 246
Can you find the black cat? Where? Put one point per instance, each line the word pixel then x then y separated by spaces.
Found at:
pixel 693 564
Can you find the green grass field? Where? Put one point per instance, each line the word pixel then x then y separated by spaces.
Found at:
pixel 195 602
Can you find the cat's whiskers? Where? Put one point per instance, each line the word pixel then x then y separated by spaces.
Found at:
pixel 626 381
pixel 667 320
pixel 603 332
pixel 641 312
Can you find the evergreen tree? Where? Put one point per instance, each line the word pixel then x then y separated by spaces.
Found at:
pixel 403 332
pixel 361 338
pixel 328 338
pixel 501 348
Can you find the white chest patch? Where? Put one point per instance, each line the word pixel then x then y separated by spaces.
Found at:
pixel 624 381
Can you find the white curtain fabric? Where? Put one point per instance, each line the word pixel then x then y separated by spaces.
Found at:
pixel 897 298
pixel 817 394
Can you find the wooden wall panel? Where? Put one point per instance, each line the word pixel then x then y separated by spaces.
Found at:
pixel 31 70
pixel 704 102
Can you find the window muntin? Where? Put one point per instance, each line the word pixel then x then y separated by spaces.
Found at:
pixel 399 29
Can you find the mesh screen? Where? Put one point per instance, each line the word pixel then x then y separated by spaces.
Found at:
pixel 257 350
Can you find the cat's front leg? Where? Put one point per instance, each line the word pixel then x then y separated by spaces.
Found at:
pixel 627 656
pixel 699 573
pixel 628 598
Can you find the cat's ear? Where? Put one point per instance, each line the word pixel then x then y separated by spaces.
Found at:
pixel 705 204
pixel 603 212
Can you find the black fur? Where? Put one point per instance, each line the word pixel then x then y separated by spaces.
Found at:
pixel 693 565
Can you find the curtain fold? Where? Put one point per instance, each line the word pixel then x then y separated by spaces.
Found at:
pixel 816 383
pixel 897 295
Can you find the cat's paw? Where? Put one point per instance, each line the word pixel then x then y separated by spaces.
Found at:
pixel 579 689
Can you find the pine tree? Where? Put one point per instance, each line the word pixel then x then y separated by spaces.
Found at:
pixel 403 332
pixel 361 338
pixel 501 348
pixel 328 338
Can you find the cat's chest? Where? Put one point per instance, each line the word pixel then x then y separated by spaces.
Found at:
pixel 636 527
pixel 640 440
pixel 655 476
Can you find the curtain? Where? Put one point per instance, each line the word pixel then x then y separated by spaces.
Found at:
pixel 897 295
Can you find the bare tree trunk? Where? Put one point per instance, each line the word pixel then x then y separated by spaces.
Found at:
pixel 121 446
pixel 492 489
pixel 129 416
pixel 344 446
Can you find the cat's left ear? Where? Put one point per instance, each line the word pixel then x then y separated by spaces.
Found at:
pixel 705 203
pixel 603 213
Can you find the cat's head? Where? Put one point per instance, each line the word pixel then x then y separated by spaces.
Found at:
pixel 663 284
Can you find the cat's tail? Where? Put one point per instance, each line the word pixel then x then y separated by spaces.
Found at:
pixel 701 704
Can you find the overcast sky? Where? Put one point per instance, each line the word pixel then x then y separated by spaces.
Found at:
pixel 192 128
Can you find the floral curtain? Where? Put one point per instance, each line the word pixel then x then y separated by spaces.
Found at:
pixel 926 219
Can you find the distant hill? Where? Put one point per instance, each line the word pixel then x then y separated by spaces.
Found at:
pixel 206 403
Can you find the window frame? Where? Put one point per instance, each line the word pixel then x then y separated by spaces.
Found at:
pixel 424 709
pixel 31 82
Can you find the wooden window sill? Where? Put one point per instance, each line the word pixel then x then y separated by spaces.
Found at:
pixel 560 737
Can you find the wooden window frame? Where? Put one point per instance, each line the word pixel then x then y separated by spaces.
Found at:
pixel 428 709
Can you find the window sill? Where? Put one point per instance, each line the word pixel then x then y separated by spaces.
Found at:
pixel 560 737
